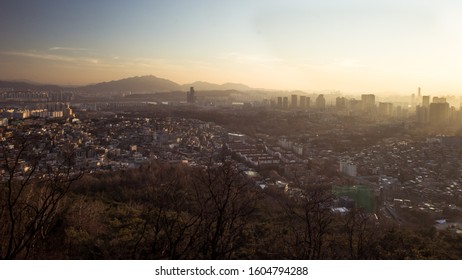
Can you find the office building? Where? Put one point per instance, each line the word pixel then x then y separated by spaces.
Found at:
pixel 279 102
pixel 422 114
pixel 293 101
pixel 320 102
pixel 340 102
pixel 368 102
pixel 426 101
pixel 439 113
pixel 285 102
pixel 303 102
pixel 191 95
pixel 437 99
pixel 385 109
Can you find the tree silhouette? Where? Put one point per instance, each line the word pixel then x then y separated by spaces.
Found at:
pixel 309 217
pixel 225 199
pixel 31 192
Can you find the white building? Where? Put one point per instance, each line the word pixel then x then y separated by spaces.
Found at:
pixel 3 122
pixel 348 168
pixel 285 143
pixel 298 149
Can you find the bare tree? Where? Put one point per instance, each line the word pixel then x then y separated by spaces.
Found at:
pixel 169 228
pixel 31 192
pixel 308 217
pixel 225 199
pixel 361 231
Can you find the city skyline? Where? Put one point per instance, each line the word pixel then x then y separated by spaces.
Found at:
pixel 353 46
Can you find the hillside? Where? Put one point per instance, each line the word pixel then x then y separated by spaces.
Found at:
pixel 134 84
pixel 206 86
pixel 143 84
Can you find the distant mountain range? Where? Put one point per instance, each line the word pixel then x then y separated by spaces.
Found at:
pixel 135 84
pixel 209 86
pixel 21 85
pixel 144 84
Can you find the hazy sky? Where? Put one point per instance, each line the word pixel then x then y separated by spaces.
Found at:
pixel 349 45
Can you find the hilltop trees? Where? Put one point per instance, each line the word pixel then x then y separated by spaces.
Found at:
pixel 308 219
pixel 225 200
pixel 31 193
pixel 165 211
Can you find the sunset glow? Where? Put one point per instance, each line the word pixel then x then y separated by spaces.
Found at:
pixel 352 46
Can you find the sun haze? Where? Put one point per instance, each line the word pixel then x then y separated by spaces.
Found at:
pixel 350 45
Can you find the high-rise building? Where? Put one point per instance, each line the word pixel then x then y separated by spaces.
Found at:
pixel 285 102
pixel 303 102
pixel 340 102
pixel 190 96
pixel 293 101
pixel 320 102
pixel 439 113
pixel 368 102
pixel 385 109
pixel 355 105
pixel 422 114
pixel 437 99
pixel 67 112
pixel 426 101
pixel 279 104
pixel 399 112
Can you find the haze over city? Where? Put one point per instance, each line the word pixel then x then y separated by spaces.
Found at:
pixel 351 46
pixel 230 130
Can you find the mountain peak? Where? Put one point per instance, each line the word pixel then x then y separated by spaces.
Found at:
pixel 201 85
pixel 147 83
pixel 136 84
